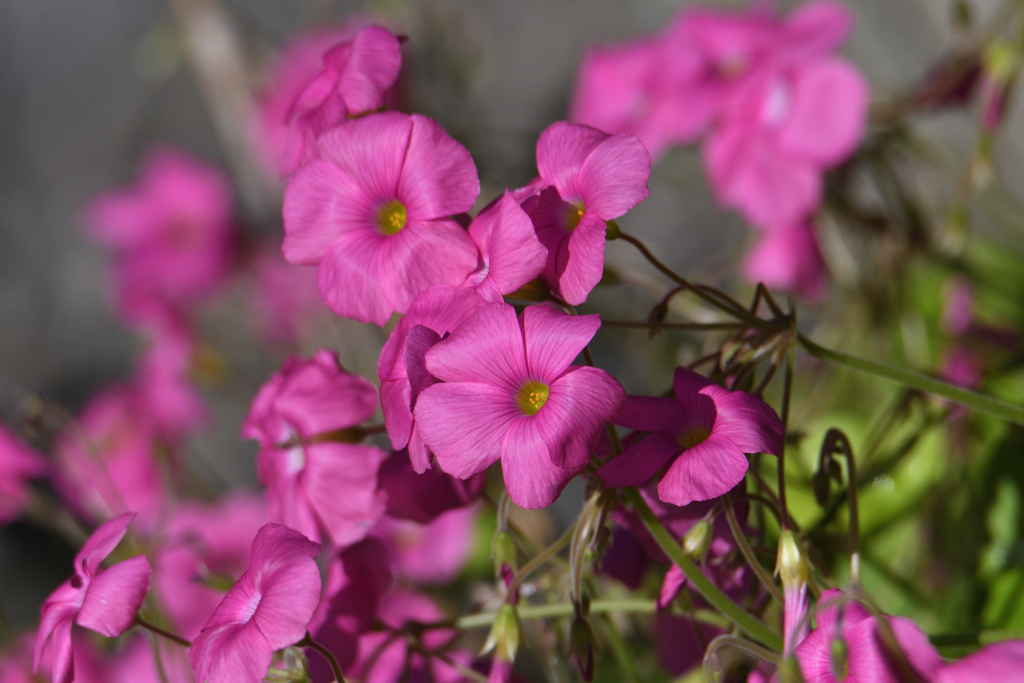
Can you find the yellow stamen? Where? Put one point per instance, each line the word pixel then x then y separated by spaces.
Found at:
pixel 391 217
pixel 532 396
pixel 693 436
pixel 573 215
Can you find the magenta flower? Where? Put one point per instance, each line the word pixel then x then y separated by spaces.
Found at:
pixel 170 234
pixel 267 609
pixel 434 314
pixel 591 178
pixel 510 253
pixel 103 601
pixel 509 392
pixel 701 435
pixel 422 498
pixel 18 464
pixel 374 211
pixel 299 418
pixel 356 76
pixel 165 387
pixel 789 260
pixel 431 553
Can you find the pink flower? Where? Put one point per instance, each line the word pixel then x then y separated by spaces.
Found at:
pixel 107 462
pixel 374 211
pixel 18 464
pixel 701 435
pixel 510 253
pixel 789 260
pixel 800 112
pixel 165 386
pixel 205 545
pixel 430 553
pixel 356 76
pixel 299 418
pixel 434 314
pixel 422 498
pixel 591 178
pixel 170 234
pixel 285 298
pixel 509 392
pixel 266 610
pixel 102 601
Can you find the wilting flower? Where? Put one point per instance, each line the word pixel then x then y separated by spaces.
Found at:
pixel 300 417
pixel 103 601
pixel 789 260
pixel 18 464
pixel 702 435
pixel 170 234
pixel 436 312
pixel 591 177
pixel 355 78
pixel 509 392
pixel 374 211
pixel 267 609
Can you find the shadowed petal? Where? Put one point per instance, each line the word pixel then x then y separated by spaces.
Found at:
pixel 114 597
pixel 584 267
pixel 746 420
pixel 703 472
pixel 639 462
pixel 651 414
pixel 509 246
pixel 420 340
pixel 102 542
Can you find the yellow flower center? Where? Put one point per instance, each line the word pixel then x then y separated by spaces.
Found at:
pixel 532 396
pixel 693 436
pixel 573 215
pixel 391 217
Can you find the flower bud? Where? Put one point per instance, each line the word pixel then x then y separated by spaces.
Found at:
pixel 791 566
pixel 504 635
pixel 839 654
pixel 503 551
pixel 292 667
pixel 581 644
pixel 697 540
pixel 612 230
pixel 789 671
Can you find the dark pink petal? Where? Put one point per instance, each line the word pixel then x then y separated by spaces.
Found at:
pixel 746 420
pixel 510 251
pixel 396 402
pixel 562 150
pixel 828 112
pixel 114 597
pixel 487 348
pixel 579 262
pixel 697 410
pixel 554 339
pixel 318 396
pixel 101 543
pixel 420 340
pixel 422 497
pixel 62 662
pixel 651 414
pixel 340 467
pixel 372 68
pixel 531 478
pixel 347 281
pixel 994 662
pixel 573 418
pixel 290 595
pixel 372 151
pixel 639 462
pixel 322 202
pixel 670 586
pixel 702 472
pixel 439 177
pixel 464 424
pixel 614 177
pixel 231 653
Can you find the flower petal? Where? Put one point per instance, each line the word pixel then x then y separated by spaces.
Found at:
pixel 703 472
pixel 562 149
pixel 554 339
pixel 371 69
pixel 439 177
pixel 614 177
pixel 101 543
pixel 509 246
pixel 487 348
pixel 651 414
pixel 531 478
pixel 231 653
pixel 582 267
pixel 114 597
pixel 290 595
pixel 746 420
pixel 572 419
pixel 995 662
pixel 335 467
pixel 639 462
pixel 346 278
pixel 372 151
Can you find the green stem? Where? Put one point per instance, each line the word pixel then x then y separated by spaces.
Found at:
pixel 161 632
pixel 699 327
pixel 916 380
pixel 562 609
pixel 327 654
pixel 712 593
pixel 540 559
pixel 741 541
pixel 620 651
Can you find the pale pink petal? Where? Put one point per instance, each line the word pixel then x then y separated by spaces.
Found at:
pixel 531 478
pixel 346 277
pixel 371 69
pixel 464 424
pixel 746 420
pixel 487 348
pixel 439 178
pixel 318 396
pixel 703 472
pixel 554 339
pixel 512 255
pixel 650 414
pixel 231 653
pixel 562 150
pixel 614 177
pixel 101 543
pixel 828 112
pixel 639 462
pixel 322 202
pixel 114 597
pixel 994 662
pixel 579 263
pixel 572 419
pixel 789 260
pixel 350 468
pixel 372 151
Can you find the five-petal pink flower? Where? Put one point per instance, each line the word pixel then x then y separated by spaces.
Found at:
pixel 374 211
pixel 267 609
pixel 508 391
pixel 701 435
pixel 105 601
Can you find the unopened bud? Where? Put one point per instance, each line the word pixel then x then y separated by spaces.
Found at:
pixel 612 230
pixel 581 643
pixel 293 667
pixel 789 671
pixel 504 635
pixel 503 551
pixel 697 540
pixel 840 658
pixel 791 565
